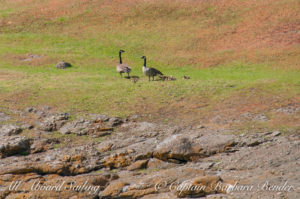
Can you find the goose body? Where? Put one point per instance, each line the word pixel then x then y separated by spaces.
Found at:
pixel 121 67
pixel 150 72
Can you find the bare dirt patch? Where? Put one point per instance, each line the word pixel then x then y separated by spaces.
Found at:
pixel 29 59
pixel 7 76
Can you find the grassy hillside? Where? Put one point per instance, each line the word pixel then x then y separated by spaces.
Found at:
pixel 242 56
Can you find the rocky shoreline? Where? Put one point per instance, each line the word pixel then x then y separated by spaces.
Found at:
pixel 55 155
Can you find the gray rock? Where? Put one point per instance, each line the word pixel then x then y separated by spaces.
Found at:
pixel 99 117
pixel 30 110
pixel 54 122
pixel 40 114
pixel 154 163
pixel 200 127
pixel 134 117
pixel 101 134
pixel 79 127
pixel 14 145
pixel 247 115
pixel 10 129
pixel 115 121
pixel 191 147
pixel 289 109
pixel 4 117
pixel 205 165
pixel 98 125
pixel 63 65
pixel 142 126
pixel 254 142
pixel 62 161
pixel 261 117
pixel 31 57
pixel 276 133
pixel 42 144
pixel 46 108
pixel 27 126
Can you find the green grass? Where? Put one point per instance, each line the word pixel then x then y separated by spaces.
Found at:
pixel 96 87
pixel 6 12
pixel 176 39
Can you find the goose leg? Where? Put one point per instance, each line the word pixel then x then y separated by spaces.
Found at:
pixel 121 74
pixel 127 74
pixel 149 78
pixel 152 78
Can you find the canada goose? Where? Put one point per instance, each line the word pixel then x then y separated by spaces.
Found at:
pixel 150 72
pixel 122 68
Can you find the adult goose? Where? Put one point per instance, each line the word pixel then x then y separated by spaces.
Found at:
pixel 150 72
pixel 122 68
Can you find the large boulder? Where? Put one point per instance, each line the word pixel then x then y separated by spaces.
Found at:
pixel 63 65
pixel 129 153
pixel 14 145
pixel 43 144
pixel 114 121
pixel 54 122
pixel 9 129
pixel 185 148
pixel 177 147
pixel 98 125
pixel 79 127
pixel 140 164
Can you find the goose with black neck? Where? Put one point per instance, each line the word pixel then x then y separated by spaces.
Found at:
pixel 150 72
pixel 121 67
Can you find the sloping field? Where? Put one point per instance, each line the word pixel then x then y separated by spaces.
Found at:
pixel 242 57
